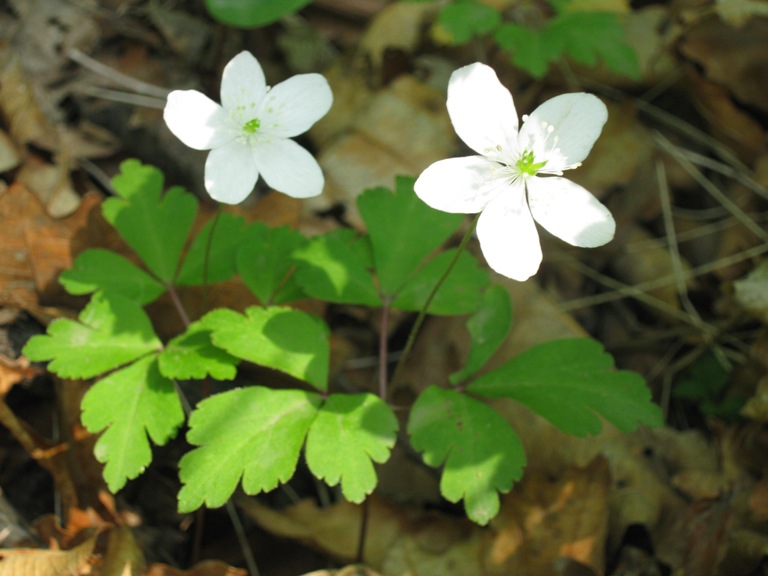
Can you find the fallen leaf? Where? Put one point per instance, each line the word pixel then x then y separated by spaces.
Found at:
pixel 204 568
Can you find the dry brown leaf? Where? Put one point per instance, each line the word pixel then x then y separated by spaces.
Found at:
pixel 728 123
pixel 13 371
pixel 31 562
pixel 9 155
pixel 644 258
pixel 35 249
pixel 204 568
pixel 733 58
pixel 544 519
pixel 398 26
pixel 400 130
pixel 354 570
pixel 625 147
pixel 112 552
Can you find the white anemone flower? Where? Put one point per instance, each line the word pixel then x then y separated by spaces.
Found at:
pixel 250 132
pixel 505 182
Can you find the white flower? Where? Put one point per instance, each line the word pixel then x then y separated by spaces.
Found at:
pixel 249 133
pixel 505 182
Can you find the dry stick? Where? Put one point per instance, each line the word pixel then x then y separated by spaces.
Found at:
pixel 119 78
pixel 423 312
pixel 713 190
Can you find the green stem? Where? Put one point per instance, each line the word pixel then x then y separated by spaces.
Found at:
pixel 207 257
pixel 423 313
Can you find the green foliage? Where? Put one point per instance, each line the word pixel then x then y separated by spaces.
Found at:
pixel 155 226
pixel 705 385
pixel 252 13
pixel 252 433
pixel 255 435
pixel 480 453
pixel 587 37
pixel 460 293
pixel 336 267
pixel 110 332
pixel 465 20
pixel 349 434
pixel 98 269
pixel 288 340
pixel 488 327
pixel 571 383
pixel 265 262
pixel 130 404
pixel 403 230
pixel 192 355
pixel 219 252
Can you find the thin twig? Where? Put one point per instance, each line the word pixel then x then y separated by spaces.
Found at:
pixel 242 539
pixel 113 75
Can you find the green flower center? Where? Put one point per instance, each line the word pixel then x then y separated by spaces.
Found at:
pixel 527 166
pixel 251 126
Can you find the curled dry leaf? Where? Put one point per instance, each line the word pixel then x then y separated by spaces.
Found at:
pixel 204 568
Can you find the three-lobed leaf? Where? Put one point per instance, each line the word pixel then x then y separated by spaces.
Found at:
pixel 403 231
pixel 288 340
pixel 335 267
pixel 254 434
pixel 98 269
pixel 488 328
pixel 572 383
pixel 192 355
pixel 265 262
pixel 212 259
pixel 349 434
pixel 130 404
pixel 156 226
pixel 111 331
pixel 252 13
pixel 460 293
pixel 480 453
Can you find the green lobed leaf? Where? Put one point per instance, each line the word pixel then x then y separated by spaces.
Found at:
pixel 288 340
pixel 403 231
pixel 156 226
pixel 488 328
pixel 464 20
pixel 571 383
pixel 349 434
pixel 252 13
pixel 130 404
pixel 222 252
pixel 254 434
pixel 335 267
pixel 192 355
pixel 591 36
pixel 98 269
pixel 527 48
pixel 461 293
pixel 111 331
pixel 480 453
pixel 265 262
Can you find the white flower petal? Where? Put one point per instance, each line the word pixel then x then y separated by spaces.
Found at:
pixel 230 173
pixel 508 237
pixel 461 185
pixel 289 168
pixel 294 105
pixel 196 120
pixel 482 110
pixel 570 212
pixel 243 83
pixel 576 121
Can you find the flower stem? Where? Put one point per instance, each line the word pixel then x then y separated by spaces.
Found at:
pixel 207 257
pixel 423 312
pixel 383 336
